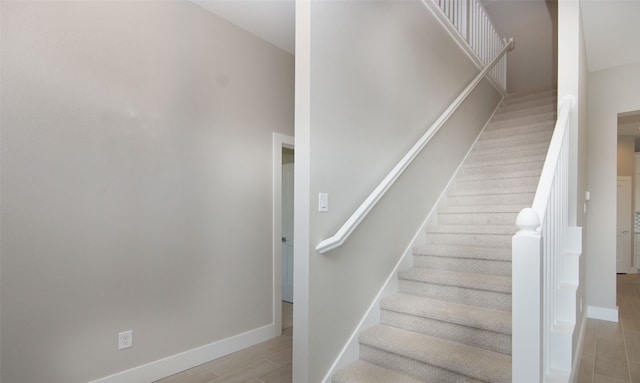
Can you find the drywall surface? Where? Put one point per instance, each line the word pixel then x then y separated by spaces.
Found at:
pixel 611 91
pixel 532 65
pixel 136 183
pixel 381 72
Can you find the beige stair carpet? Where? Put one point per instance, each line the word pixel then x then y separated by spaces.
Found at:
pixel 451 319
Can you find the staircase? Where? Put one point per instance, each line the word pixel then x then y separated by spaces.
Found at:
pixel 451 319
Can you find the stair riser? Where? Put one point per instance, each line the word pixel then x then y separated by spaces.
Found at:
pixel 497 190
pixel 482 240
pixel 413 368
pixel 506 156
pixel 517 130
pixel 477 209
pixel 513 114
pixel 525 169
pixel 506 185
pixel 531 103
pixel 522 120
pixel 478 219
pixel 515 141
pixel 467 265
pixel 497 254
pixel 528 96
pixel 524 199
pixel 480 298
pixel 462 334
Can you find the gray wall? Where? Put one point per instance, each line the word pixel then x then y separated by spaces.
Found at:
pixel 381 72
pixel 611 91
pixel 533 25
pixel 136 183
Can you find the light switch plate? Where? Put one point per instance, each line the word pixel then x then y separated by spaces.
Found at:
pixel 323 202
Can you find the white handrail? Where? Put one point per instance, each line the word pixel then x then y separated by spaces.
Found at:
pixel 352 223
pixel 543 192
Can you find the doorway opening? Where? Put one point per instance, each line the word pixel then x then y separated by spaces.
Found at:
pixel 287 240
pixel 628 196
pixel 283 236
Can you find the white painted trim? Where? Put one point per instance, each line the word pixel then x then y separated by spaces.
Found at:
pixel 185 360
pixel 603 313
pixel 279 141
pixel 350 351
pixel 302 190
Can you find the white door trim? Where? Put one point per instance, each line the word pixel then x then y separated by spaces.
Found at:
pixel 279 141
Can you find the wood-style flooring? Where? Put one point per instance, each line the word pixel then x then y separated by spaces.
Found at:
pixel 268 362
pixel 611 351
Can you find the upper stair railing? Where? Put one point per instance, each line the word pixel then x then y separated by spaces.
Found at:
pixel 369 203
pixel 472 22
pixel 545 263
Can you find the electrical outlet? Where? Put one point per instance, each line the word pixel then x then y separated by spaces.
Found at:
pixel 125 339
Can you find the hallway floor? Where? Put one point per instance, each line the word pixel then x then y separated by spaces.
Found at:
pixel 267 362
pixel 611 351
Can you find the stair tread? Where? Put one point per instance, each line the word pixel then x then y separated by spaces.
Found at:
pixel 531 94
pixel 484 282
pixel 522 120
pixel 466 360
pixel 518 169
pixel 363 372
pixel 524 104
pixel 457 251
pixel 497 191
pixel 471 316
pixel 481 209
pixel 538 148
pixel 518 133
pixel 473 229
pixel 499 181
pixel 542 125
pixel 505 113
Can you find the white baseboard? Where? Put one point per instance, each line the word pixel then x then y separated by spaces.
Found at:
pixel 185 360
pixel 603 313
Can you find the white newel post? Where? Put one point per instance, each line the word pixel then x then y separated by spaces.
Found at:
pixel 527 299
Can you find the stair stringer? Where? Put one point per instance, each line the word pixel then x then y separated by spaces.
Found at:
pixel 562 360
pixel 350 353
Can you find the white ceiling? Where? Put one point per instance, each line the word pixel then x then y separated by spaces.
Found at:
pixel 271 20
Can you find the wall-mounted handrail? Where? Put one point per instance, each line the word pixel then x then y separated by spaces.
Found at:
pixel 363 210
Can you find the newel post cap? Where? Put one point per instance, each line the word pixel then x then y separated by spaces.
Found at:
pixel 528 220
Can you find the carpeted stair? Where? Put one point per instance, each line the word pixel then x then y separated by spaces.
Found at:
pixel 451 319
